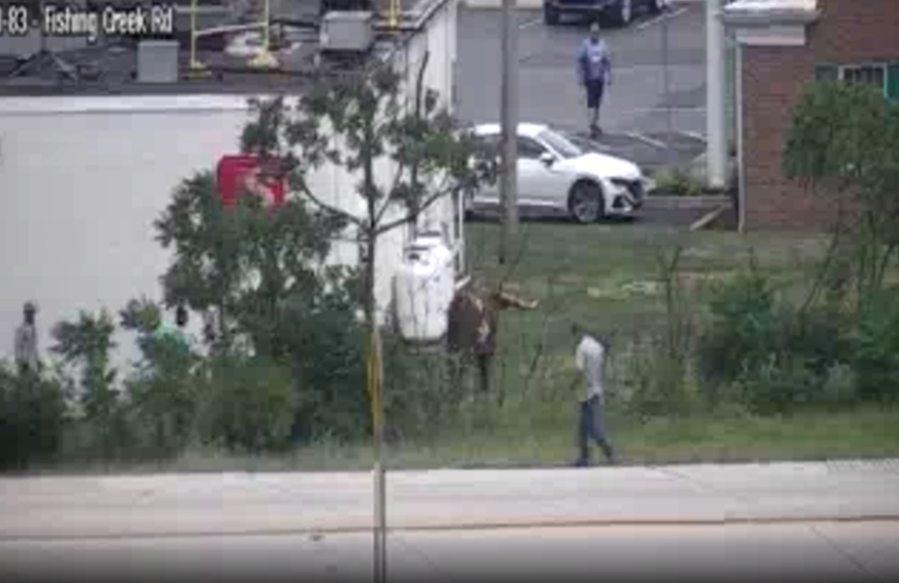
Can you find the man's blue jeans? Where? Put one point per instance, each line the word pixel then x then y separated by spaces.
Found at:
pixel 590 427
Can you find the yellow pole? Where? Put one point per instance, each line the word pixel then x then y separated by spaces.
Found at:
pixel 393 17
pixel 265 36
pixel 264 59
pixel 375 387
pixel 193 35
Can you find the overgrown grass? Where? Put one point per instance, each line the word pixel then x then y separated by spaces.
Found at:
pixel 606 276
pixel 529 442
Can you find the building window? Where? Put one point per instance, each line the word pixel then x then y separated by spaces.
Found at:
pixel 875 75
pixel 884 76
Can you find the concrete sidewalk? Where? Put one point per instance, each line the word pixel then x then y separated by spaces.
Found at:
pixel 222 504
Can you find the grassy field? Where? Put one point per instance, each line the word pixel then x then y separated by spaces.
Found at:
pixel 606 276
pixel 609 277
pixel 548 442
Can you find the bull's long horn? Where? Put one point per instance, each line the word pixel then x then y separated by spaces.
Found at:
pixel 517 301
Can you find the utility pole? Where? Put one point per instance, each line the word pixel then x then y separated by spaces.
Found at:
pixel 716 113
pixel 375 387
pixel 508 184
pixel 666 91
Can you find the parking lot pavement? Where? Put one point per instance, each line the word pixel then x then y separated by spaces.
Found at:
pixel 637 109
pixel 650 150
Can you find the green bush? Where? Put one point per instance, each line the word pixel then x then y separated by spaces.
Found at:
pixel 738 337
pixel 324 347
pixel 779 384
pixel 656 381
pixel 251 404
pixel 419 399
pixel 772 354
pixel 840 385
pixel 32 417
pixel 876 347
pixel 162 391
pixel 676 182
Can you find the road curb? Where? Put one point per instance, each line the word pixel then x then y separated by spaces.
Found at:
pixel 459 527
pixel 538 4
pixel 665 202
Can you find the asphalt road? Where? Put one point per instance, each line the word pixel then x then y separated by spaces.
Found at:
pixel 819 552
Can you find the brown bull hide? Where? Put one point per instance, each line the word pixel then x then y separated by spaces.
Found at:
pixel 473 320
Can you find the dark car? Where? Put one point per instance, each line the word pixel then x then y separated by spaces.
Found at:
pixel 619 11
pixel 325 6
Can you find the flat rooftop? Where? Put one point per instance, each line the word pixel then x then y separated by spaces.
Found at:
pixel 108 66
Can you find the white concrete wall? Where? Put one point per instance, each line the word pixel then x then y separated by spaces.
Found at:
pixel 81 182
pixel 439 41
pixel 83 178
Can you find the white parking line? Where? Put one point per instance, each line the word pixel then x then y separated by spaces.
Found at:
pixel 647 140
pixel 530 23
pixel 694 135
pixel 659 19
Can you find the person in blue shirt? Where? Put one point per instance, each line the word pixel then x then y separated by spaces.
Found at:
pixel 595 74
pixel 177 334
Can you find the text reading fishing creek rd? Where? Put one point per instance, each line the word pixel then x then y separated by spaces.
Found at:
pixel 64 20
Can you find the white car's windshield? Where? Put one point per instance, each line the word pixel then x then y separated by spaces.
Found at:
pixel 560 144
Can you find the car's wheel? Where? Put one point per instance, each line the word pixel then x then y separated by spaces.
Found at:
pixel 468 207
pixel 657 6
pixel 550 15
pixel 622 12
pixel 585 202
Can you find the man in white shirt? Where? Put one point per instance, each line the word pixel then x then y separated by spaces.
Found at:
pixel 590 360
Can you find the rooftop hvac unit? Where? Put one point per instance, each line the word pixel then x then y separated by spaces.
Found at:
pixel 347 31
pixel 157 61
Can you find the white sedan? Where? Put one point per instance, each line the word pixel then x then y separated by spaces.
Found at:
pixel 555 174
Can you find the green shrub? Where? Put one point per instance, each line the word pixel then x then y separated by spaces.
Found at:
pixel 251 404
pixel 738 337
pixel 655 379
pixel 32 417
pixel 775 356
pixel 162 391
pixel 876 347
pixel 779 384
pixel 325 354
pixel 418 398
pixel 676 182
pixel 840 385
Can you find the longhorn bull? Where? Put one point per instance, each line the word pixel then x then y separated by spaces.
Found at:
pixel 473 320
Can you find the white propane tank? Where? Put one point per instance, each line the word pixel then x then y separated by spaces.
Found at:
pixel 423 289
pixel 443 256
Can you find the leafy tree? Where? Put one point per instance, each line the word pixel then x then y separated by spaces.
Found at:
pixel 844 141
pixel 361 122
pixel 86 344
pixel 262 274
pixel 32 416
pixel 162 391
pixel 252 403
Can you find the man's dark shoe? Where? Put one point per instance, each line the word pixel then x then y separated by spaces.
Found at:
pixel 581 463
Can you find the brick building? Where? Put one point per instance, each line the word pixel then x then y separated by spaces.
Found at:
pixel 782 45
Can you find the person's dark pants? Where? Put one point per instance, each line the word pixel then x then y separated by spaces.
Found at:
pixel 595 90
pixel 590 427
